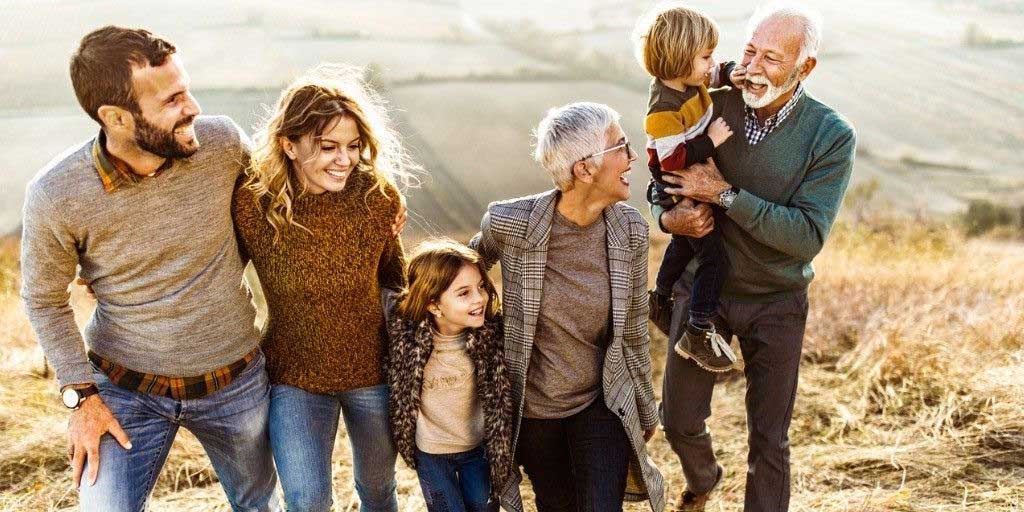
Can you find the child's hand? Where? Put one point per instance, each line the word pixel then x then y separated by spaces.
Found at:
pixel 719 131
pixel 738 77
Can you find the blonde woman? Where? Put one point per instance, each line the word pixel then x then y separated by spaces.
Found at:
pixel 315 214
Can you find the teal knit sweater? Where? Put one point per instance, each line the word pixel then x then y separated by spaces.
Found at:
pixel 791 185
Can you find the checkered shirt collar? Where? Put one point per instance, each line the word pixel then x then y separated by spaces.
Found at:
pixel 756 131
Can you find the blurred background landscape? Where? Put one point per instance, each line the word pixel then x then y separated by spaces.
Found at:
pixel 913 380
pixel 934 87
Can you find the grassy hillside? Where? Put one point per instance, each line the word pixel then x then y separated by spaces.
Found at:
pixel 931 85
pixel 910 395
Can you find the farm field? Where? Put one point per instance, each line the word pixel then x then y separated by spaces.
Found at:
pixel 911 384
pixel 913 365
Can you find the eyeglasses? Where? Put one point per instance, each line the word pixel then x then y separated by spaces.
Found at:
pixel 609 150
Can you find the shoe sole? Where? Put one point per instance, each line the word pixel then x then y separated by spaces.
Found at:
pixel 682 352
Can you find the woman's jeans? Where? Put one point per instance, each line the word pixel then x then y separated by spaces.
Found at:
pixel 578 463
pixel 455 482
pixel 231 424
pixel 303 427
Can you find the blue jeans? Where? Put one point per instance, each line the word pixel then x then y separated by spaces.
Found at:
pixel 231 424
pixel 303 427
pixel 455 482
pixel 578 463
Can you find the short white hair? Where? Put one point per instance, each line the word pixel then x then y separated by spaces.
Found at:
pixel 569 133
pixel 809 19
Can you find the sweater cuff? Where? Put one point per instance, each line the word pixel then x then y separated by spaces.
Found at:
pixel 744 208
pixel 78 373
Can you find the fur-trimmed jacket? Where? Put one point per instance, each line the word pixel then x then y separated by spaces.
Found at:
pixel 409 350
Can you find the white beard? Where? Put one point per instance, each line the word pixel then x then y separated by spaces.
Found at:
pixel 771 93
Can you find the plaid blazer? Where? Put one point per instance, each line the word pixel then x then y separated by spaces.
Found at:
pixel 515 233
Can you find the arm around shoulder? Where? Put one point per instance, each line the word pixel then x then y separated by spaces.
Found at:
pixel 485 242
pixel 392 263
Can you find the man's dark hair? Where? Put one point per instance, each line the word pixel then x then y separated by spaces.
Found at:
pixel 101 68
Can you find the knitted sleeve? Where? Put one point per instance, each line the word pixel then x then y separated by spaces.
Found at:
pixel 670 129
pixel 391 270
pixel 392 265
pixel 719 76
pixel 800 226
pixel 49 256
pixel 242 206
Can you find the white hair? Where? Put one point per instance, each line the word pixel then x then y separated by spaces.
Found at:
pixel 809 19
pixel 570 133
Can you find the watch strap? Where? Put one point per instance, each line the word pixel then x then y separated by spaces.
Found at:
pixel 81 393
pixel 86 392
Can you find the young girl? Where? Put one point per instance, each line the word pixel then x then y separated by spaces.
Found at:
pixel 450 405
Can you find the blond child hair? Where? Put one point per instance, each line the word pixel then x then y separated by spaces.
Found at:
pixel 670 36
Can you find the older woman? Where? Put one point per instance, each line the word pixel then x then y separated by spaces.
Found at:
pixel 574 274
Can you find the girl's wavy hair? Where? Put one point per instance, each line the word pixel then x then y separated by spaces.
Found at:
pixel 433 268
pixel 309 106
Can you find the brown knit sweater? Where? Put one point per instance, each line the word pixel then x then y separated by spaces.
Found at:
pixel 325 330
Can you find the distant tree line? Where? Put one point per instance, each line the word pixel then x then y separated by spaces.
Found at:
pixel 985 216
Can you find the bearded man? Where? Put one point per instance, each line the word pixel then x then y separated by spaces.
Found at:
pixel 143 209
pixel 781 183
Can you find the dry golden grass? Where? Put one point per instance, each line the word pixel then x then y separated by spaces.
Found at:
pixel 911 395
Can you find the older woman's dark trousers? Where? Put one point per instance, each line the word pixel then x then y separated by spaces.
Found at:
pixel 771 336
pixel 578 463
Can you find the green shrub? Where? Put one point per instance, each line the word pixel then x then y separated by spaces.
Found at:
pixel 983 216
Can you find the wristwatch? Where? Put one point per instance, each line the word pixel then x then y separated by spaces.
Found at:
pixel 73 398
pixel 728 196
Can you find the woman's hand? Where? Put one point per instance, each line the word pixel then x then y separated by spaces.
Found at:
pixel 88 287
pixel 400 217
pixel 649 433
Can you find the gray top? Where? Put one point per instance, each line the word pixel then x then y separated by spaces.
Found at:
pixel 564 375
pixel 160 255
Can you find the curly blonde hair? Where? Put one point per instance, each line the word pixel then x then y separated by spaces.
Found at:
pixel 309 106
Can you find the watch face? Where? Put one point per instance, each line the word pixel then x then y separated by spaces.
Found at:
pixel 70 398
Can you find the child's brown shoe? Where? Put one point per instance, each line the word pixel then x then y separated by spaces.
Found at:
pixel 707 348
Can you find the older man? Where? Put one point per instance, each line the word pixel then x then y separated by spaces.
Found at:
pixel 781 185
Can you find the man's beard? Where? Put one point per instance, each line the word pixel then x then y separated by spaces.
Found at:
pixel 771 92
pixel 161 142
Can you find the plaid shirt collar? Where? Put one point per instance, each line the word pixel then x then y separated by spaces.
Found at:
pixel 756 131
pixel 114 172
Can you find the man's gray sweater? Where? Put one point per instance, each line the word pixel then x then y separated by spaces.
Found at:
pixel 160 255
